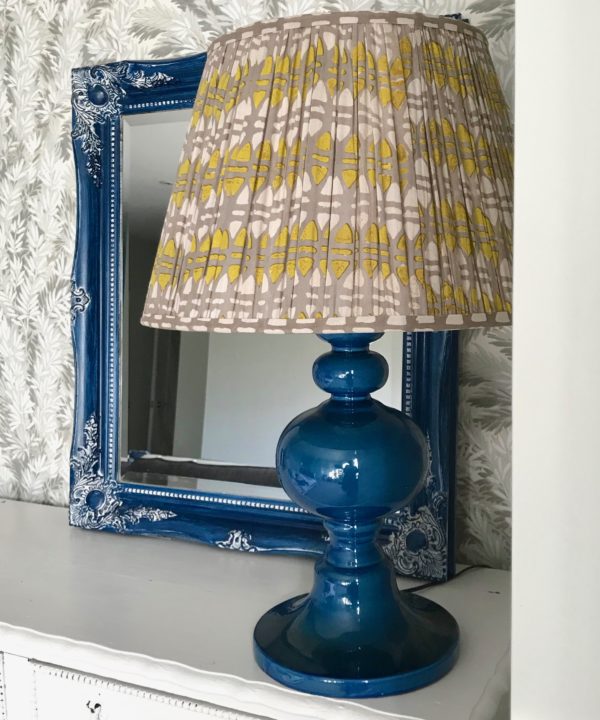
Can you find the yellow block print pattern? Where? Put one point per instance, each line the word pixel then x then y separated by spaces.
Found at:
pixel 357 172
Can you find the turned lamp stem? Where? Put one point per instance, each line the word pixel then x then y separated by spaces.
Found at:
pixel 352 460
pixel 351 378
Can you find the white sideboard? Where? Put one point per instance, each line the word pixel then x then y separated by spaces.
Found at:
pixel 97 626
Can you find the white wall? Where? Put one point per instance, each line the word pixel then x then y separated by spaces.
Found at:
pixel 191 394
pixel 256 384
pixel 556 513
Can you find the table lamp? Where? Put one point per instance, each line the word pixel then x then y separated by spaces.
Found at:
pixel 344 174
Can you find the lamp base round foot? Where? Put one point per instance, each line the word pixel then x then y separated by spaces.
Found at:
pixel 328 666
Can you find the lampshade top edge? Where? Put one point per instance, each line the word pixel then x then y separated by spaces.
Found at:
pixel 345 17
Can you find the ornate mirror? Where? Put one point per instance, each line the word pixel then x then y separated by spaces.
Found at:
pixel 156 451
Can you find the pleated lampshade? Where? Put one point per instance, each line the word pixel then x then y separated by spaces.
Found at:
pixel 341 173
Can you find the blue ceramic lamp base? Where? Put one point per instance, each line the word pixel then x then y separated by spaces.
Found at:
pixel 416 650
pixel 353 460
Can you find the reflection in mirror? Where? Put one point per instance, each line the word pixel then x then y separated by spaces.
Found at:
pixel 220 401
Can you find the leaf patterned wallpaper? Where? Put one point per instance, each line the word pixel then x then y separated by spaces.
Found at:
pixel 41 41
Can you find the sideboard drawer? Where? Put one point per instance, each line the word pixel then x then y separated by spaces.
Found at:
pixel 69 695
pixel 2 689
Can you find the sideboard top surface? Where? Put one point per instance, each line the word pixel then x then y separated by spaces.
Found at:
pixel 179 617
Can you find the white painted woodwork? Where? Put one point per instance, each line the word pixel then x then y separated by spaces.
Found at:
pixel 2 689
pixel 67 695
pixel 556 493
pixel 139 620
pixel 19 700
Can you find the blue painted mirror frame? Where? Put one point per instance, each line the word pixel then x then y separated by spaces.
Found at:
pixel 419 539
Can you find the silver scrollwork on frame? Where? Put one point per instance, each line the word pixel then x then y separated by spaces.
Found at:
pixel 95 503
pixel 97 97
pixel 79 300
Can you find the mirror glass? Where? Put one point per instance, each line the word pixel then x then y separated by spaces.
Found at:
pixel 251 385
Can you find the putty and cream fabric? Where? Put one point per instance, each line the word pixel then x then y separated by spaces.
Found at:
pixel 346 172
